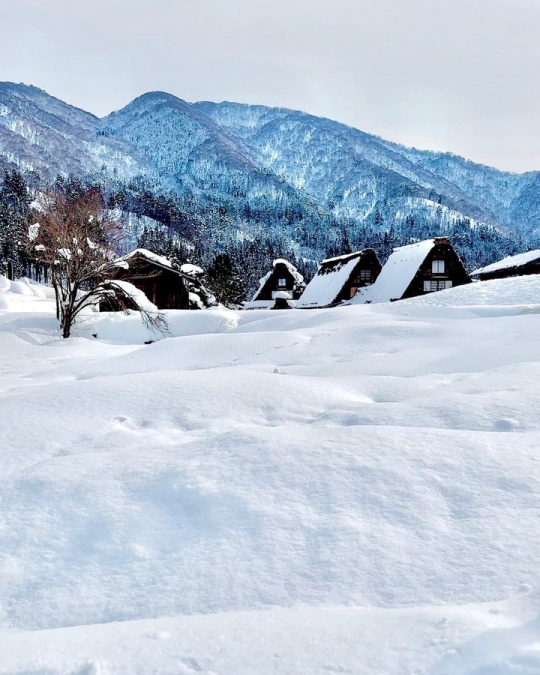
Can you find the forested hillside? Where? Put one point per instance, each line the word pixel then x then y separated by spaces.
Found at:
pixel 246 184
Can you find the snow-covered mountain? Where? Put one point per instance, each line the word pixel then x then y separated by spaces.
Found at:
pixel 191 152
pixel 356 173
pixel 267 157
pixel 41 133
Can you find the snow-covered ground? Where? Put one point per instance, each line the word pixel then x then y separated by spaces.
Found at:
pixel 352 490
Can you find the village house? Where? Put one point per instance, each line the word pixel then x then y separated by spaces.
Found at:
pixel 154 275
pixel 416 269
pixel 338 279
pixel 282 280
pixel 512 266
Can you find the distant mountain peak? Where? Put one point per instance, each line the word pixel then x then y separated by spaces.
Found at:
pixel 260 150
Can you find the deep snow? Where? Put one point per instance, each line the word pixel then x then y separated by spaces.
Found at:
pixel 350 490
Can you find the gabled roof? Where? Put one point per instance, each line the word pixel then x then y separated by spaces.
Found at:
pixel 154 258
pixel 327 284
pixel 509 262
pixel 145 253
pixel 396 276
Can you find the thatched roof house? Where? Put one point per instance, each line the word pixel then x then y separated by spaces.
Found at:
pixel 416 269
pixel 283 277
pixel 511 266
pixel 338 279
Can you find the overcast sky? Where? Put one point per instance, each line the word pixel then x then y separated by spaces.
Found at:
pixel 456 75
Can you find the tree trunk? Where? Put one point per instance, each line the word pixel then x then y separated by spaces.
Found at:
pixel 67 321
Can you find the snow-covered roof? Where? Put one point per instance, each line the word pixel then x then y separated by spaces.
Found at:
pixel 299 279
pixel 192 270
pixel 509 262
pixel 326 285
pixel 397 274
pixel 145 253
pixel 267 304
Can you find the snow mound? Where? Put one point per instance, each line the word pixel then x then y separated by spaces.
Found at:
pixel 24 295
pixel 135 294
pixel 515 291
pixel 290 488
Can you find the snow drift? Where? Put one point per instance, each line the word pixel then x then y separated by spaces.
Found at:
pixel 344 490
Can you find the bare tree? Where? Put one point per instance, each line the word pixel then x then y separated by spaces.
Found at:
pixel 75 237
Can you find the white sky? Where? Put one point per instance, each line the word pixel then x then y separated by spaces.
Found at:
pixel 457 75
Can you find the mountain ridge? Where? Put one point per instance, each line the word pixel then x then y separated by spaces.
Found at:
pixel 226 151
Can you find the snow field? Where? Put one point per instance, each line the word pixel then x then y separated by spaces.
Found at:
pixel 300 640
pixel 309 491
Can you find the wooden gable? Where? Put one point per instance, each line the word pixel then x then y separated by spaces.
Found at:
pixel 442 268
pixel 363 274
pixel 339 279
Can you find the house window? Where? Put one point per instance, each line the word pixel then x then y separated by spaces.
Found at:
pixel 436 285
pixel 432 285
pixel 361 278
pixel 437 267
pixel 365 275
pixel 282 283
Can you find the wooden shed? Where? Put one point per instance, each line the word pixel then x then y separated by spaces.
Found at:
pixel 417 269
pixel 338 279
pixel 519 265
pixel 164 286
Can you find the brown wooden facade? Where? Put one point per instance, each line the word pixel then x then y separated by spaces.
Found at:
pixel 442 268
pixel 364 273
pixel 35 270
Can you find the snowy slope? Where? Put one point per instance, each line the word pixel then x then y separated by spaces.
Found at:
pixel 324 491
pixel 359 173
pixel 190 152
pixel 494 639
pixel 515 198
pixel 263 157
pixel 41 133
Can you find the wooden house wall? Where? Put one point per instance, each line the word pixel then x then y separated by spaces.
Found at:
pixel 366 262
pixel 37 271
pixel 454 271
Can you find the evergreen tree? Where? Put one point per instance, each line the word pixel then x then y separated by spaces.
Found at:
pixel 14 221
pixel 225 280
